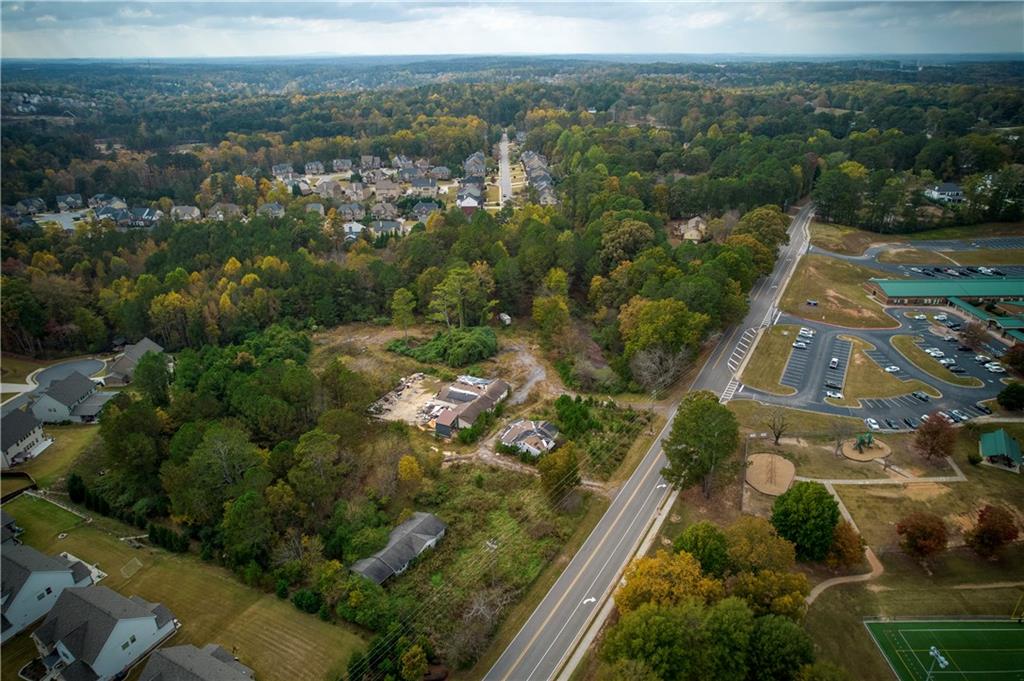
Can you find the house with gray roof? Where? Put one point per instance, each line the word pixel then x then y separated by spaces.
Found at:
pixel 423 186
pixel 341 165
pixel 223 210
pixel 407 541
pixel 530 437
pixel 185 213
pixel 274 210
pixel 314 168
pixel 69 202
pixel 21 433
pixel 103 200
pixel 440 173
pixel 31 206
pixel 475 164
pixel 393 227
pixel 281 170
pixel 95 634
pixel 465 400
pixel 122 368
pixel 9 528
pixel 73 398
pixel 31 584
pixel 188 663
pixel 351 211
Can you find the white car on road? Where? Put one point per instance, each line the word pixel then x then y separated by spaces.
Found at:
pixel 947 361
pixel 892 369
pixel 834 394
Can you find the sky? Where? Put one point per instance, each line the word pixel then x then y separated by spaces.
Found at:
pixel 95 29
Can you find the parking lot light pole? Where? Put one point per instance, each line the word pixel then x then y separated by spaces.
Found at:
pixel 937 659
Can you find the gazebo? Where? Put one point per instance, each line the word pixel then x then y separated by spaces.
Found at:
pixel 999 449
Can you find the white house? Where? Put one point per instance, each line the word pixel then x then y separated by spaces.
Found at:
pixel 97 634
pixel 73 398
pixel 32 583
pixel 947 192
pixel 21 434
pixel 185 213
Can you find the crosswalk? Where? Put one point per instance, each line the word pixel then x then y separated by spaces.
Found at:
pixel 741 349
pixel 730 390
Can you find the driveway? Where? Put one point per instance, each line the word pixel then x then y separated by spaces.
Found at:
pixel 44 377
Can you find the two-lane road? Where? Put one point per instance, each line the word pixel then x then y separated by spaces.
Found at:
pixel 542 646
pixel 504 170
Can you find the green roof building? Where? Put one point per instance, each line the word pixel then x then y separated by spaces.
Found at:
pixel 937 291
pixel 999 449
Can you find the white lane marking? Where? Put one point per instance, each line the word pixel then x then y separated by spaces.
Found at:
pixel 589 600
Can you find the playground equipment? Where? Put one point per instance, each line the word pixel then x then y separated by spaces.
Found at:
pixel 864 440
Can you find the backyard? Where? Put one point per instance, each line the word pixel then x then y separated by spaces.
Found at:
pixel 262 629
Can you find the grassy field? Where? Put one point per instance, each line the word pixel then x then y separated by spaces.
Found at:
pixel 960 585
pixel 988 256
pixel 15 369
pixel 54 463
pixel 876 509
pixel 864 378
pixel 268 634
pixel 764 370
pixel 906 346
pixel 753 416
pixel 838 286
pixel 915 256
pixel 853 241
pixel 970 647
pixel 11 485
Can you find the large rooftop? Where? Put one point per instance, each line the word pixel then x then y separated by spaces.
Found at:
pixel 1000 287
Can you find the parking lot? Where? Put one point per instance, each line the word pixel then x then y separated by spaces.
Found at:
pixel 810 372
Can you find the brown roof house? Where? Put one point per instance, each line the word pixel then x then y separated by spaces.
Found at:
pixel 465 400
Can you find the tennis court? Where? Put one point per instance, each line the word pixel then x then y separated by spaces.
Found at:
pixel 989 650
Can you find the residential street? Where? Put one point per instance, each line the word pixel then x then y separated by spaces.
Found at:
pixel 45 377
pixel 551 633
pixel 504 171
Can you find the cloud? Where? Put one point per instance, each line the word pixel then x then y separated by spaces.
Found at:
pixel 46 19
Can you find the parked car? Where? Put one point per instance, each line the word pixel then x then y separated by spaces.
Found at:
pixel 975 270
pixel 941 317
pixel 915 269
pixel 834 364
pixel 982 359
pixel 806 333
pixel 927 273
pixel 920 395
pixel 936 353
pixel 957 369
pixel 812 303
pixel 920 316
pixel 892 369
pixel 959 415
pixel 949 339
pixel 924 418
pixel 911 423
pixel 872 424
pixel 982 408
pixel 893 425
pixel 834 394
pixel 963 348
pixel 949 419
pixel 800 345
pixel 833 385
pixel 947 361
pixel 998 272
pixel 996 369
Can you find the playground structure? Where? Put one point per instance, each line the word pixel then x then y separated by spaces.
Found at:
pixel 865 448
pixel 770 474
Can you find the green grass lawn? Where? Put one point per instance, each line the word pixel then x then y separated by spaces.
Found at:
pixel 914 256
pixel 878 508
pixel 55 462
pixel 835 620
pixel 838 286
pixel 15 369
pixel 853 241
pixel 988 256
pixel 865 379
pixel 916 355
pixel 11 485
pixel 268 634
pixel 992 649
pixel 753 416
pixel 764 370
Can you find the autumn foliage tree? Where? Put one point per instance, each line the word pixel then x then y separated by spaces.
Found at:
pixel 847 548
pixel 665 579
pixel 922 535
pixel 935 437
pixel 995 529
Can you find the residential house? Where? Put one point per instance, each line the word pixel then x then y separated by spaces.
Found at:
pixel 188 663
pixel 998 448
pixel 409 174
pixel 317 208
pixel 420 532
pixel 465 400
pixel 351 211
pixel 9 528
pixel 314 168
pixel 224 211
pixel 123 367
pixel 341 165
pixel 73 398
pixel 401 161
pixel 440 173
pixel 532 437
pixel 695 229
pixel 97 634
pixel 475 164
pixel 69 202
pixel 274 210
pixel 32 582
pixel 22 437
pixel 384 211
pixel 282 170
pixel 379 227
pixel 30 206
pixel 122 217
pixel 302 186
pixel 947 192
pixel 469 199
pixel 330 190
pixel 356 191
pixel 423 164
pixel 423 186
pixel 422 210
pixel 185 213
pixel 368 162
pixel 103 200
pixel 145 217
pixel 386 189
pixel 352 230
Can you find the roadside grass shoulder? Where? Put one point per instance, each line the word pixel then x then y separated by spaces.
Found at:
pixel 765 368
pixel 908 347
pixel 838 287
pixel 268 634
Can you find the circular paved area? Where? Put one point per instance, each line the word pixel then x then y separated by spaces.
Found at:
pixel 770 474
